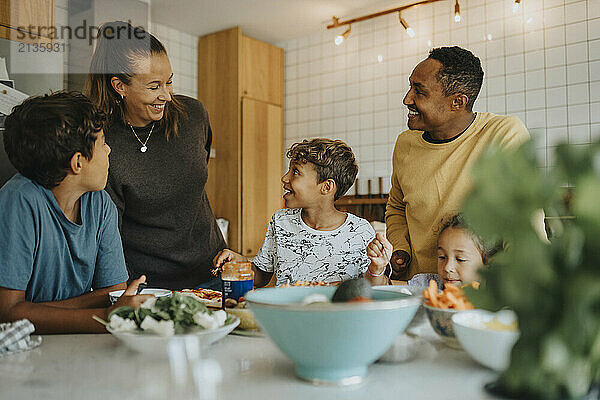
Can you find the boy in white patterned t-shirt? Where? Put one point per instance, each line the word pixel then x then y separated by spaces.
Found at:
pixel 310 240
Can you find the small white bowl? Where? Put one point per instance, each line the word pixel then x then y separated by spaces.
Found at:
pixel 157 346
pixel 114 295
pixel 488 346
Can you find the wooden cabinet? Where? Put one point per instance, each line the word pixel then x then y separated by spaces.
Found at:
pixel 29 21
pixel 240 81
pixel 262 147
pixel 262 77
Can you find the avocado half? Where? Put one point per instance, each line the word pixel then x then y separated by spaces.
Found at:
pixel 351 290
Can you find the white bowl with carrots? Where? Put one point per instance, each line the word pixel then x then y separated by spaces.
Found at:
pixel 441 306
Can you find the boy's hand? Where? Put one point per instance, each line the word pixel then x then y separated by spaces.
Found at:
pixel 379 252
pixel 129 298
pixel 225 256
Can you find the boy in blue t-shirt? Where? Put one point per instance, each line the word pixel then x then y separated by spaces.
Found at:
pixel 59 236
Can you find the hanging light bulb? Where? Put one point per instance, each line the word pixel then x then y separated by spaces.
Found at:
pixel 409 31
pixel 516 6
pixel 456 12
pixel 339 39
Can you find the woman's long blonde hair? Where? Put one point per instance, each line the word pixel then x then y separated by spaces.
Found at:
pixel 115 56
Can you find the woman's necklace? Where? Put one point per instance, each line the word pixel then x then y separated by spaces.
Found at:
pixel 144 147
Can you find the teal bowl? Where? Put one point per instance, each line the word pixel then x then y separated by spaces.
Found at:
pixel 331 342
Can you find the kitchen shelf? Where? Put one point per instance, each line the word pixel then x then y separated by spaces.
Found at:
pixel 357 201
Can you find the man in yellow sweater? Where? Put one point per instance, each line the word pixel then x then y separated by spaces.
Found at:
pixel 432 159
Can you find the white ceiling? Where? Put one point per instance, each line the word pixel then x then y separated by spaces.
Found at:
pixel 269 20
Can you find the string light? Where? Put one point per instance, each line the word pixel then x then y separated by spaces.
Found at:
pixel 336 23
pixel 409 31
pixel 339 39
pixel 456 12
pixel 516 6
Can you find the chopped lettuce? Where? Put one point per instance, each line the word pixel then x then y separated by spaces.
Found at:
pixel 118 324
pixel 162 328
pixel 167 316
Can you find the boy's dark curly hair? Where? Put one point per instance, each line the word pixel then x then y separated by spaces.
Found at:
pixel 333 159
pixel 460 72
pixel 44 132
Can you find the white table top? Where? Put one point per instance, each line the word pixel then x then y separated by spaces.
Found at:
pixel 99 367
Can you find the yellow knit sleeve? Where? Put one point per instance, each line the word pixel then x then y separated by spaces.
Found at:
pixel 395 215
pixel 515 133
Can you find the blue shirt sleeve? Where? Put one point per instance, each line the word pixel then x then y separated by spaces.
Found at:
pixel 110 261
pixel 17 240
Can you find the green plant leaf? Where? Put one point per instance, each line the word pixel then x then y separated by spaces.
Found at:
pixel 553 288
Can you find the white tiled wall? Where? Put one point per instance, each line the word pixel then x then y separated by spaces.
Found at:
pixel 182 49
pixel 541 64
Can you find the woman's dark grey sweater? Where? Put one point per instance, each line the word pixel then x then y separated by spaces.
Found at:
pixel 168 229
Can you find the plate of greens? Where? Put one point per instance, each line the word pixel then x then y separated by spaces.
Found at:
pixel 149 328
